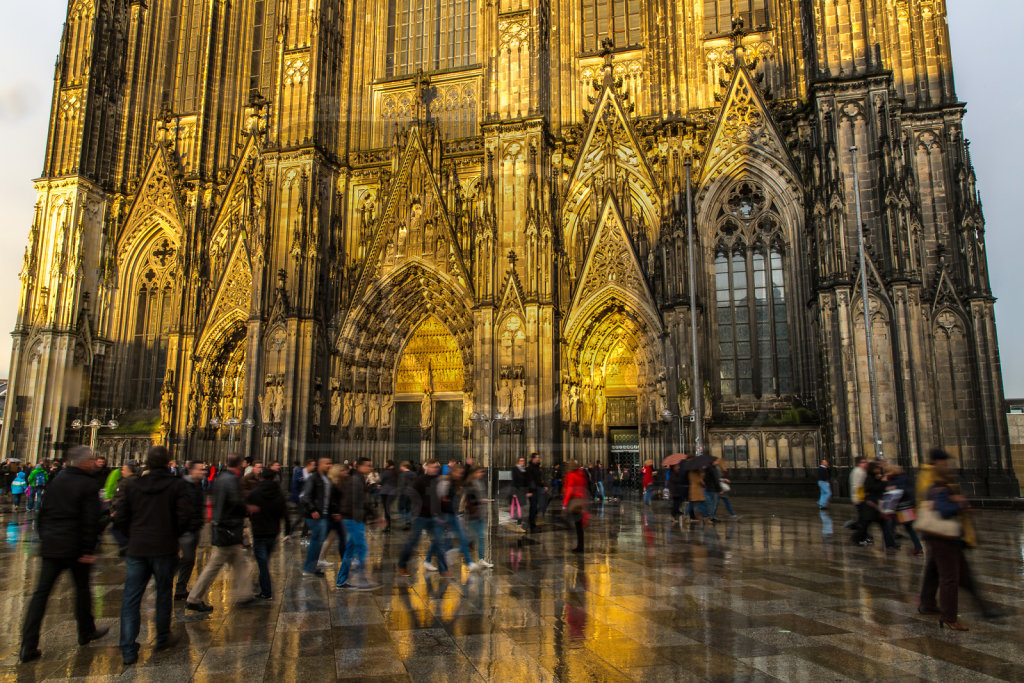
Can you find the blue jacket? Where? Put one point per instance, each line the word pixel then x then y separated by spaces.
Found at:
pixel 295 490
pixel 19 484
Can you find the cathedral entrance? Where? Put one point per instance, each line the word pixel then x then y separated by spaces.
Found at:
pixel 407 431
pixel 448 431
pixel 428 394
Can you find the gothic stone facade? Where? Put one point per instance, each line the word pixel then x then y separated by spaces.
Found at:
pixel 401 228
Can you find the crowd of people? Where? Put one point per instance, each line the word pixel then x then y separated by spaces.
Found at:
pixel 156 512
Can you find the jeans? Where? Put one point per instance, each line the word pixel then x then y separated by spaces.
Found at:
pixel 224 554
pixel 478 529
pixel 32 495
pixel 138 571
pixel 385 501
pixel 452 522
pixel 710 504
pixel 695 505
pixel 419 525
pixel 187 542
pixel 355 549
pixel 535 504
pixel 600 490
pixel 826 493
pixel 405 508
pixel 262 546
pixel 317 534
pixel 909 526
pixel 868 515
pixel 728 504
pixel 50 569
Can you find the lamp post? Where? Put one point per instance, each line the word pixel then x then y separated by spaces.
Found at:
pixel 872 384
pixel 698 407
pixel 232 423
pixel 93 427
pixel 480 418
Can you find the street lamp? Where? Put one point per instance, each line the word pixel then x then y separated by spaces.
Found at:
pixel 232 423
pixel 93 427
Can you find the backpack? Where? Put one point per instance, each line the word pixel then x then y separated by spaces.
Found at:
pixel 39 480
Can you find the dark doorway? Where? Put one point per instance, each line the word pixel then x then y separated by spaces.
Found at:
pixel 624 451
pixel 407 431
pixel 448 430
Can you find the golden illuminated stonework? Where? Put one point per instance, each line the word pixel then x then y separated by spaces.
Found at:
pixel 402 230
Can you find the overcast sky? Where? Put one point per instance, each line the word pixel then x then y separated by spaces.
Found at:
pixel 982 33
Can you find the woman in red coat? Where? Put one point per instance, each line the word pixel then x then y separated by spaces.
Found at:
pixel 574 500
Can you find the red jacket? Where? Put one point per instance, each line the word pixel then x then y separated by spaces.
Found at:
pixel 575 485
pixel 648 473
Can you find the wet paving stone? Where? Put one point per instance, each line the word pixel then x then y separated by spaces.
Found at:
pixel 764 598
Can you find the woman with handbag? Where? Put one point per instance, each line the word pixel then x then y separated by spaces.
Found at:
pixel 905 506
pixel 724 488
pixel 874 492
pixel 943 517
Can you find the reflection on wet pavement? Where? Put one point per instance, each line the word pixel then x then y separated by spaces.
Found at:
pixel 778 595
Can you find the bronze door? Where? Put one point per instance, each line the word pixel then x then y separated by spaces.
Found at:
pixel 448 430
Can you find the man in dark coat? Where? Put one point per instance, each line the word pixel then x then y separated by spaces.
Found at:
pixel 266 525
pixel 189 540
pixel 68 527
pixel 537 491
pixel 354 503
pixel 155 510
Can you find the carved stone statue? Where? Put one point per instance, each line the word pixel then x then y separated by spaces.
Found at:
pixel 318 406
pixel 359 410
pixel 267 401
pixel 335 406
pixel 467 409
pixel 599 406
pixel 708 407
pixel 279 400
pixel 349 409
pixel 505 399
pixel 519 400
pixel 372 410
pixel 642 407
pixel 662 397
pixel 574 403
pixel 426 412
pixel 386 407
pixel 167 403
pixel 685 399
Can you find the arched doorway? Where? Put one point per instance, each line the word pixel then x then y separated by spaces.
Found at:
pixel 429 379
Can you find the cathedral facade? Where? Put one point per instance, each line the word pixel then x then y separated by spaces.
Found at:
pixel 406 229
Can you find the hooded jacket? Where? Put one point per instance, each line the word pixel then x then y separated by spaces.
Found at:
pixel 68 523
pixel 19 484
pixel 154 510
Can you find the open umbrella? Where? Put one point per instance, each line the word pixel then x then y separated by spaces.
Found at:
pixel 673 459
pixel 696 462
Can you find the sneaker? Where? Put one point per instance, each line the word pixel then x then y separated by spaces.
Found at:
pixel 198 606
pixel 430 566
pixel 368 586
pixel 402 571
pixel 473 566
pixel 734 518
pixel 264 596
pixel 323 564
pixel 307 574
pixel 485 564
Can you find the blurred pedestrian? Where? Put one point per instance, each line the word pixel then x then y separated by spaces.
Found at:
pixel 153 512
pixel 68 527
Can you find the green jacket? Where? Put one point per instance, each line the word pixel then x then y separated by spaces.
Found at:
pixel 32 476
pixel 113 479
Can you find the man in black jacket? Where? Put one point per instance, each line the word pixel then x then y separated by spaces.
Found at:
pixel 354 501
pixel 427 507
pixel 536 491
pixel 316 502
pixel 266 525
pixel 229 511
pixel 189 540
pixel 68 527
pixel 155 510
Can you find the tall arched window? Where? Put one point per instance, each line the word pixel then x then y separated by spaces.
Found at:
pixel 615 19
pixel 718 15
pixel 750 298
pixel 153 310
pixel 430 35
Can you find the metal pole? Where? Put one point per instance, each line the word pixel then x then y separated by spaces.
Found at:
pixel 867 312
pixel 696 392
